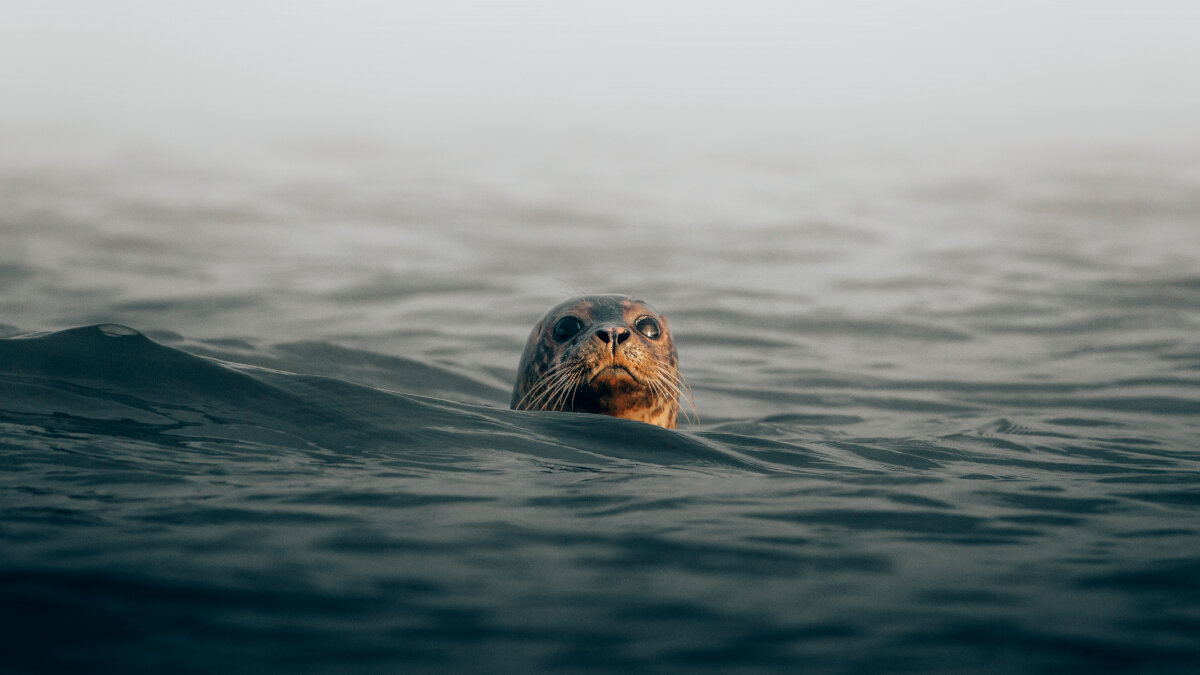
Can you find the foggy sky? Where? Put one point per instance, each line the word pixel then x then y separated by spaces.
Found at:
pixel 1089 70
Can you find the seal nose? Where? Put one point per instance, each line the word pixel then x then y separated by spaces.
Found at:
pixel 613 335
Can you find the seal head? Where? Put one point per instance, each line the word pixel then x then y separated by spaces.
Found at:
pixel 607 354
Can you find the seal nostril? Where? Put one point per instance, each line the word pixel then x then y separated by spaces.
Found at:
pixel 613 336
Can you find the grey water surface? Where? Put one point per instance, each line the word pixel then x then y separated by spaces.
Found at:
pixel 253 411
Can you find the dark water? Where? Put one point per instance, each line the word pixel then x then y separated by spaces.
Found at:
pixel 949 413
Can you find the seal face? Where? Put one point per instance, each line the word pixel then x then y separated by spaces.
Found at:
pixel 607 354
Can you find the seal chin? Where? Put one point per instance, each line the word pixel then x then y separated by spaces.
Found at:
pixel 613 374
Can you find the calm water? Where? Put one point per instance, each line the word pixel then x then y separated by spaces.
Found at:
pixel 949 408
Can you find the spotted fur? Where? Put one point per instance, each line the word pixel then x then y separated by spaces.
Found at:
pixel 610 366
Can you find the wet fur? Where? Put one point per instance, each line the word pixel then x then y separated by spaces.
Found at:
pixel 575 375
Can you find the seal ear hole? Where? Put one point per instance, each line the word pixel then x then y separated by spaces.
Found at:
pixel 567 328
pixel 648 326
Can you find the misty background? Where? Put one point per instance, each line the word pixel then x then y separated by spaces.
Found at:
pixel 836 73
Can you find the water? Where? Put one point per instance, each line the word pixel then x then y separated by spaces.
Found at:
pixel 948 411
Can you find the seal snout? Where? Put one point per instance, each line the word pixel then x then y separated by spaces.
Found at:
pixel 613 336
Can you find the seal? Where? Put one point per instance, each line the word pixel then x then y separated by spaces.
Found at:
pixel 607 354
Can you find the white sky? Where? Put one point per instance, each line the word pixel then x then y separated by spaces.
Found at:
pixel 1089 69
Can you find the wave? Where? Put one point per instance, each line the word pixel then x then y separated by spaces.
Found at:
pixel 112 380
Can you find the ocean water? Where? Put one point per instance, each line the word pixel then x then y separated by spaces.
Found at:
pixel 253 410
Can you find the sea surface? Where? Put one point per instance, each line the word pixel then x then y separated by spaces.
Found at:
pixel 253 410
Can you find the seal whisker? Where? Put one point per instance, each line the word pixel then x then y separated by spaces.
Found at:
pixel 549 388
pixel 570 386
pixel 674 394
pixel 535 390
pixel 543 386
pixel 662 392
pixel 685 392
pixel 564 380
pixel 680 390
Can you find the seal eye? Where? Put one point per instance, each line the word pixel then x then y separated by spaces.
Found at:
pixel 649 327
pixel 566 328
